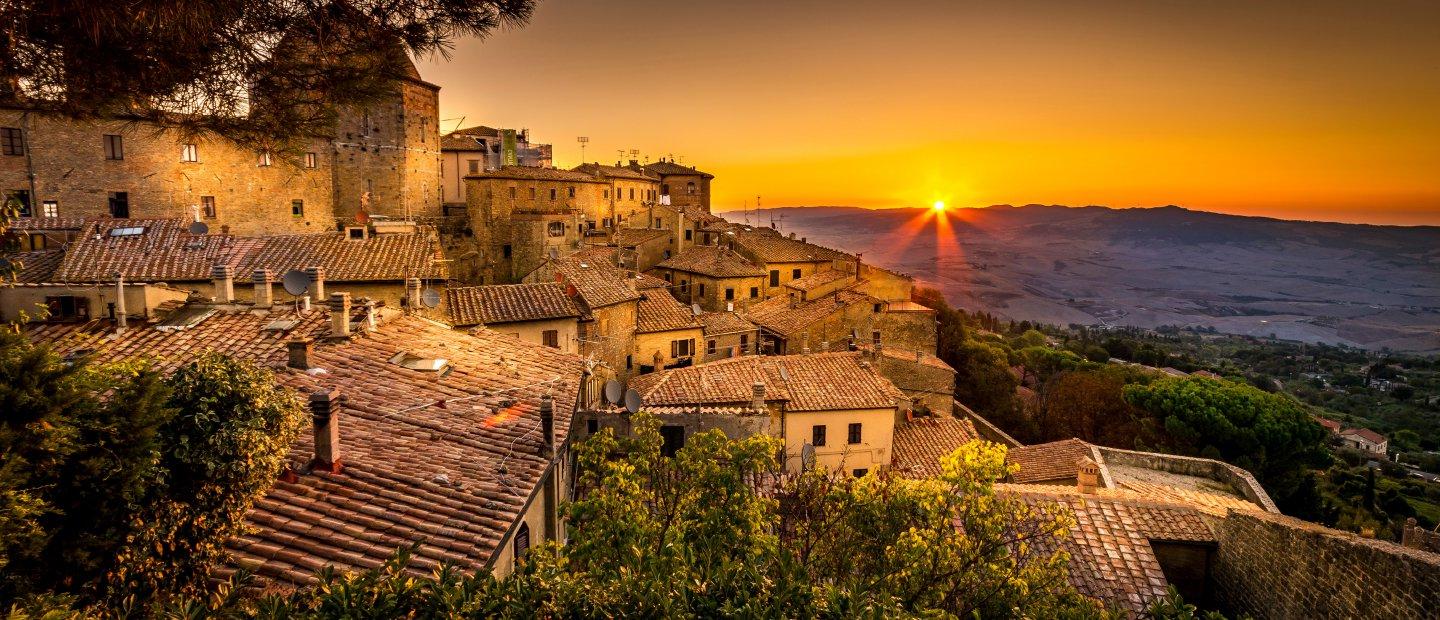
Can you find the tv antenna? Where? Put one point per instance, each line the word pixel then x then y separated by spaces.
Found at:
pixel 634 153
pixel 583 140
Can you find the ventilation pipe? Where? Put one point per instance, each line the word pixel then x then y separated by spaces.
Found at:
pixel 412 294
pixel 547 424
pixel 120 318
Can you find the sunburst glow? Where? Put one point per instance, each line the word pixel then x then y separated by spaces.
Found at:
pixel 939 205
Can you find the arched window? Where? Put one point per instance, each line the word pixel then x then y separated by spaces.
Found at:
pixel 522 541
pixel 690 188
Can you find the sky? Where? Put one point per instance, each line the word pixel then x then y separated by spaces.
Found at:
pixel 1323 110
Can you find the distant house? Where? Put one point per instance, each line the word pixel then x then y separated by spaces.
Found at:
pixel 1330 425
pixel 1365 439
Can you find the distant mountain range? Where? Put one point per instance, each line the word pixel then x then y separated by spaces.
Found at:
pixel 1363 285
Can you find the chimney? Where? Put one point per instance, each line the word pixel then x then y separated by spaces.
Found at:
pixel 340 315
pixel 1087 475
pixel 300 351
pixel 317 281
pixel 325 414
pixel 412 294
pixel 264 294
pixel 757 396
pixel 120 318
pixel 367 325
pixel 547 424
pixel 224 279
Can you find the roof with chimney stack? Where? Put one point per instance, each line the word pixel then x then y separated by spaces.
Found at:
pixel 509 303
pixel 1047 462
pixel 809 382
pixel 631 237
pixel 712 260
pixel 767 245
pixel 596 278
pixel 791 317
pixel 616 172
pixel 164 250
pixel 670 168
pixel 660 312
pixel 447 462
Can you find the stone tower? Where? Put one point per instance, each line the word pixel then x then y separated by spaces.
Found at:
pixel 387 155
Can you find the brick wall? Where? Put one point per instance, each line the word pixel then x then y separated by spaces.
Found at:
pixel 1272 566
pixel 392 151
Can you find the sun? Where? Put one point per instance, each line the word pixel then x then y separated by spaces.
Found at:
pixel 939 205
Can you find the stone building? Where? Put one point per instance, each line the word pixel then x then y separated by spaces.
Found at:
pixel 519 214
pixel 387 155
pixel 609 300
pixel 539 313
pixel 473 150
pixel 632 195
pixel 666 333
pixel 683 186
pixel 715 277
pixel 727 334
pixel 785 259
pixel 641 248
pixel 788 325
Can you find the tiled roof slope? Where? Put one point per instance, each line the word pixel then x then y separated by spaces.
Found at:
pixel 452 479
pixel 1048 461
pixel 48 223
pixel 813 382
pixel 659 312
pixel 617 172
pixel 1365 433
pixel 464 139
pixel 167 251
pixel 33 267
pixel 776 315
pixel 920 443
pixel 717 323
pixel 712 260
pixel 599 282
pixel 819 278
pixel 670 167
pixel 769 246
pixel 507 303
pixel 631 237
pixel 534 173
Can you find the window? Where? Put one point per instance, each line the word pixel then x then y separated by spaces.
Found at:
pixel 774 277
pixel 207 207
pixel 127 231
pixel 795 274
pixel 512 192
pixel 672 438
pixel 571 191
pixel 356 232
pixel 817 435
pixel 12 141
pixel 297 208
pixel 522 541
pixel 664 188
pixel 702 289
pixel 114 147
pixel 754 292
pixel 629 362
pixel 592 426
pixel 682 348
pixel 119 203
pixel 875 338
pixel 667 276
pixel 68 307
pixel 552 194
pixel 690 188
pixel 606 193
pixel 658 223
pixel 556 229
pixel 744 343
pixel 688 235
pixel 50 208
pixel 860 473
pixel 265 158
pixel 533 193
pixel 21 199
pixel 729 294
pixel 505 251
pixel 854 433
pixel 189 153
pixel 710 347
pixel 632 193
pixel 684 286
pixel 474 165
pixel 312 160
pixel 550 338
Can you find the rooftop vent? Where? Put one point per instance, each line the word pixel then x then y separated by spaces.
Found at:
pixel 405 359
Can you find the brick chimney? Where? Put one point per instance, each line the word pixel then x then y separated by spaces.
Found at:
pixel 757 396
pixel 223 278
pixel 264 294
pixel 300 351
pixel 1087 475
pixel 412 294
pixel 325 414
pixel 121 321
pixel 340 314
pixel 547 424
pixel 317 282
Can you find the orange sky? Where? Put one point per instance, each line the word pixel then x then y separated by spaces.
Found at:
pixel 1318 110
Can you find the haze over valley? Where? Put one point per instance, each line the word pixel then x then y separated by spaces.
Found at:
pixel 1368 286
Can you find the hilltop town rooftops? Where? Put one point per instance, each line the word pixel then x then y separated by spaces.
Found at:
pixel 659 312
pixel 534 173
pixel 165 250
pixel 811 382
pixel 712 260
pixel 615 172
pixel 450 479
pixel 791 318
pixel 719 323
pixel 598 281
pixel 671 168
pixel 920 443
pixel 769 246
pixel 509 303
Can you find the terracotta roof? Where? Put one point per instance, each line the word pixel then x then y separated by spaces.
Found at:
pixel 618 172
pixel 465 139
pixel 717 323
pixel 920 443
pixel 645 282
pixel 659 312
pixel 535 173
pixel 671 168
pixel 631 237
pixel 713 261
pixel 33 267
pixel 599 282
pixel 920 357
pixel 769 246
pixel 1366 434
pixel 777 315
pixel 508 303
pixel 819 278
pixel 48 223
pixel 164 250
pixel 453 479
pixel 1048 461
pixel 906 306
pixel 813 382
pixel 1109 545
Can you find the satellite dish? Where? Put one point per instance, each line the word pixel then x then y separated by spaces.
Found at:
pixel 807 455
pixel 198 228
pixel 614 391
pixel 633 401
pixel 296 282
pixel 784 373
pixel 429 298
pixel 695 309
pixel 554 253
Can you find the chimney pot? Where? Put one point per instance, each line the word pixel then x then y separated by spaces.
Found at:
pixel 757 398
pixel 300 351
pixel 340 314
pixel 547 424
pixel 264 294
pixel 223 278
pixel 412 294
pixel 121 321
pixel 317 281
pixel 369 322
pixel 325 415
pixel 1087 475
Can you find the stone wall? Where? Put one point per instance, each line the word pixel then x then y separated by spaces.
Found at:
pixel 392 151
pixel 1272 566
pixel 908 330
pixel 678 188
pixel 930 385
pixel 1242 481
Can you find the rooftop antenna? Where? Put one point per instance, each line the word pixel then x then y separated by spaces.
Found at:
pixel 583 140
pixel 634 153
pixel 619 155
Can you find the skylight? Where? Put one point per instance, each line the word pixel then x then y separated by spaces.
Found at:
pixel 127 231
pixel 411 361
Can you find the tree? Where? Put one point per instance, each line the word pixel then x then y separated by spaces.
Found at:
pixel 983 381
pixel 258 72
pixel 1090 405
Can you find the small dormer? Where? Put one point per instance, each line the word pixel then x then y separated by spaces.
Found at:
pixel 356 233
